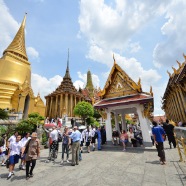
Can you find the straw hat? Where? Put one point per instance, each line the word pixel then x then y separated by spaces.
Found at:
pixel 34 135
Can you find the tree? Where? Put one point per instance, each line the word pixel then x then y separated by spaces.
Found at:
pixel 96 114
pixel 84 110
pixel 3 114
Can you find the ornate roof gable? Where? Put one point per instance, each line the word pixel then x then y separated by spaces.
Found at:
pixel 120 84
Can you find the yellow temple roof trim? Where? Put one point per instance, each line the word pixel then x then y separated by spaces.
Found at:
pixel 132 84
pixel 17 46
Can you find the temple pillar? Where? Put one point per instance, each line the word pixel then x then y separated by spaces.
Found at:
pixel 182 101
pixel 144 126
pixel 75 100
pixel 123 126
pixel 116 121
pixel 66 103
pixel 181 106
pixel 71 105
pixel 55 112
pixel 174 109
pixel 61 105
pixel 108 127
pixel 50 112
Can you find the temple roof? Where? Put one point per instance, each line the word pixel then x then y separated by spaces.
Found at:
pixel 120 84
pixel 127 100
pixel 176 77
pixel 17 46
pixel 66 85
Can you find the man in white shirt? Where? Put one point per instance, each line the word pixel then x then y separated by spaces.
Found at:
pixel 13 155
pixel 12 138
pixel 23 143
pixel 54 143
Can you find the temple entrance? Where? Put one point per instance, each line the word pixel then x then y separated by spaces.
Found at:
pixel 26 107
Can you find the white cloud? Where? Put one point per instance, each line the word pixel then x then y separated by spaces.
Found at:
pixel 79 84
pixel 45 86
pixel 8 26
pixel 32 52
pixel 135 47
pixel 172 46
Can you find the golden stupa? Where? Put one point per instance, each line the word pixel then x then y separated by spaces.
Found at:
pixel 16 93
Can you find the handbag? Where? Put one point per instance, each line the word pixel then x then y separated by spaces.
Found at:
pixel 7 162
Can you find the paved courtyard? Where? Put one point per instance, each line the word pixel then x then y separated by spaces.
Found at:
pixel 110 166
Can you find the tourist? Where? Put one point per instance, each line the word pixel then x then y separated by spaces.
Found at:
pixel 88 139
pixel 81 141
pixel 124 139
pixel 138 137
pixel 13 155
pixel 115 137
pixel 159 135
pixel 75 136
pixel 169 130
pixel 3 149
pixel 54 143
pixel 23 142
pixel 103 135
pixel 65 144
pixel 93 132
pixel 131 138
pixel 72 122
pixel 12 138
pixel 98 131
pixel 32 151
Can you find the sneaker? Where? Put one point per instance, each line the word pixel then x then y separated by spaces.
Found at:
pixel 124 149
pixel 68 161
pixel 13 173
pixel 23 167
pixel 3 164
pixel 9 176
pixel 61 162
pixel 27 177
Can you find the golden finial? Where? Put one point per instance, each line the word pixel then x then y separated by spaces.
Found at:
pixel 139 82
pixel 178 63
pixel 38 95
pixel 175 71
pixel 17 46
pixel 184 56
pixel 169 73
pixel 114 59
pixel 151 93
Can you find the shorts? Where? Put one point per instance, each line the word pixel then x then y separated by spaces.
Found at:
pixel 93 140
pixel 2 156
pixel 125 141
pixel 14 159
pixel 81 144
pixel 87 144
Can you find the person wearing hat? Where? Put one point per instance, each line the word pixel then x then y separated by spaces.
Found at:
pixel 75 136
pixel 32 151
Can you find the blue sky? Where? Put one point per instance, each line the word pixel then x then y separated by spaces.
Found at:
pixel 146 37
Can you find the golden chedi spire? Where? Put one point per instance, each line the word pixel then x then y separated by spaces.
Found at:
pixel 17 46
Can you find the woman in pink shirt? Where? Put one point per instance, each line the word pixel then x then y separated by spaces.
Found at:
pixel 124 139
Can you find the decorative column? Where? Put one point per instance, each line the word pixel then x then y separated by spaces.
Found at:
pixel 144 126
pixel 71 105
pixel 50 112
pixel 116 121
pixel 177 108
pixel 183 101
pixel 66 103
pixel 181 108
pixel 61 105
pixel 124 126
pixel 75 100
pixel 108 127
pixel 174 109
pixel 55 111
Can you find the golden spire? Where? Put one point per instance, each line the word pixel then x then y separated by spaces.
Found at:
pixel 184 56
pixel 17 46
pixel 169 73
pixel 175 71
pixel 151 93
pixel 114 59
pixel 178 63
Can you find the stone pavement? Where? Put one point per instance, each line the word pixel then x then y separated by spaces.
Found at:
pixel 111 166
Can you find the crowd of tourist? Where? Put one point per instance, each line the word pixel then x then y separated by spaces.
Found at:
pixel 78 141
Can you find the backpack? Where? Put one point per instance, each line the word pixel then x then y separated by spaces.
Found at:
pixel 96 135
pixel 2 141
pixel 59 137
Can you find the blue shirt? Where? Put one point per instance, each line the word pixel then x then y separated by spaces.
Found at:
pixel 158 132
pixel 75 136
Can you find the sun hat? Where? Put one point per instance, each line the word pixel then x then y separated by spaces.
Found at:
pixel 34 135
